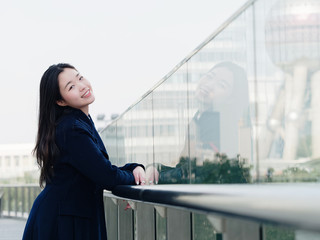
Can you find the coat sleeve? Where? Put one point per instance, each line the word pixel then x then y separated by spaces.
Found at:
pixel 87 158
pixel 131 166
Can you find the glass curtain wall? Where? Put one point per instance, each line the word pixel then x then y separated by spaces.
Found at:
pixel 244 108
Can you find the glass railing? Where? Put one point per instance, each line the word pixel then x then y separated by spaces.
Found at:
pixel 214 211
pixel 16 200
pixel 242 108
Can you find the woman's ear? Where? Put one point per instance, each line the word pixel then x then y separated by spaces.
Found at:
pixel 61 103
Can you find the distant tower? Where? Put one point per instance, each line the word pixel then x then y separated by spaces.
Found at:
pixel 292 38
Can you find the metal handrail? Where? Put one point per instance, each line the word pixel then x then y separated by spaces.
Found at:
pixel 293 205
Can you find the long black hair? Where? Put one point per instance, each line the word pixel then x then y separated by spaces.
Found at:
pixel 49 111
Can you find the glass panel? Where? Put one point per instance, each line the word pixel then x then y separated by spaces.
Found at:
pixel 144 221
pixel 288 77
pixel 124 139
pixel 170 128
pixel 306 235
pixel 202 228
pixel 272 232
pixel 219 120
pixel 161 227
pixel 125 221
pixel 253 103
pixel 111 215
pixel 109 138
pixel 142 132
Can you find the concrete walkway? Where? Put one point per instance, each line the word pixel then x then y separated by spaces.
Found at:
pixel 11 228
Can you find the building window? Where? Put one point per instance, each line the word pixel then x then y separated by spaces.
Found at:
pixel 25 160
pixel 16 160
pixel 7 160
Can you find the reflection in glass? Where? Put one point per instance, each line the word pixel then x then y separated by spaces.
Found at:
pixel 222 95
pixel 247 98
pixel 290 137
pixel 170 118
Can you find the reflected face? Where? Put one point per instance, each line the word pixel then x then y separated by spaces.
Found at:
pixel 76 91
pixel 215 86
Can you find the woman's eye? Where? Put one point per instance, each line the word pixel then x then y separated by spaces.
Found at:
pixel 223 84
pixel 81 78
pixel 71 87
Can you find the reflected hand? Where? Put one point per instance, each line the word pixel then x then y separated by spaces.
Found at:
pixel 139 176
pixel 152 175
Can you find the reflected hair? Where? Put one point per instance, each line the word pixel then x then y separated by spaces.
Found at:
pixel 240 88
pixel 240 94
pixel 45 149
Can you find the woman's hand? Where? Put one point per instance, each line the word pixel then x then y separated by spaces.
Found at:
pixel 152 175
pixel 139 175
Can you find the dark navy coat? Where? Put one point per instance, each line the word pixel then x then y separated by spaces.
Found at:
pixel 71 205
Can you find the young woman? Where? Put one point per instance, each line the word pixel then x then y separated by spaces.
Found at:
pixel 74 163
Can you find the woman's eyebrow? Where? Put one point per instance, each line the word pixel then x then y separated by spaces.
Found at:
pixel 67 84
pixel 226 82
pixel 71 81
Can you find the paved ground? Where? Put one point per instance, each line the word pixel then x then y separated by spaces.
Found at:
pixel 11 229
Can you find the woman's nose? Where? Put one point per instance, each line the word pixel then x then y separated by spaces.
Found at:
pixel 82 87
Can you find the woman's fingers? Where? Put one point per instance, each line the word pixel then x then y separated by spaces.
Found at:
pixel 152 175
pixel 139 175
pixel 149 177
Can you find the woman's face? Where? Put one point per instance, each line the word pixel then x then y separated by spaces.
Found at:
pixel 215 86
pixel 75 90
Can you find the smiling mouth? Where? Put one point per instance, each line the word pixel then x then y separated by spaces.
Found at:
pixel 86 94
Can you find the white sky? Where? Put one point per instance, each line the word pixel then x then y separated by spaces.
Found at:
pixel 123 47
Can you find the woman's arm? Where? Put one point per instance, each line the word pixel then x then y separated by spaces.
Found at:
pixel 87 158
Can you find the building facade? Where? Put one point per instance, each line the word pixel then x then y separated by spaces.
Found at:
pixel 17 162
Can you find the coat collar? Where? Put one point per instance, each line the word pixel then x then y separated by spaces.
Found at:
pixel 83 116
pixel 79 114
